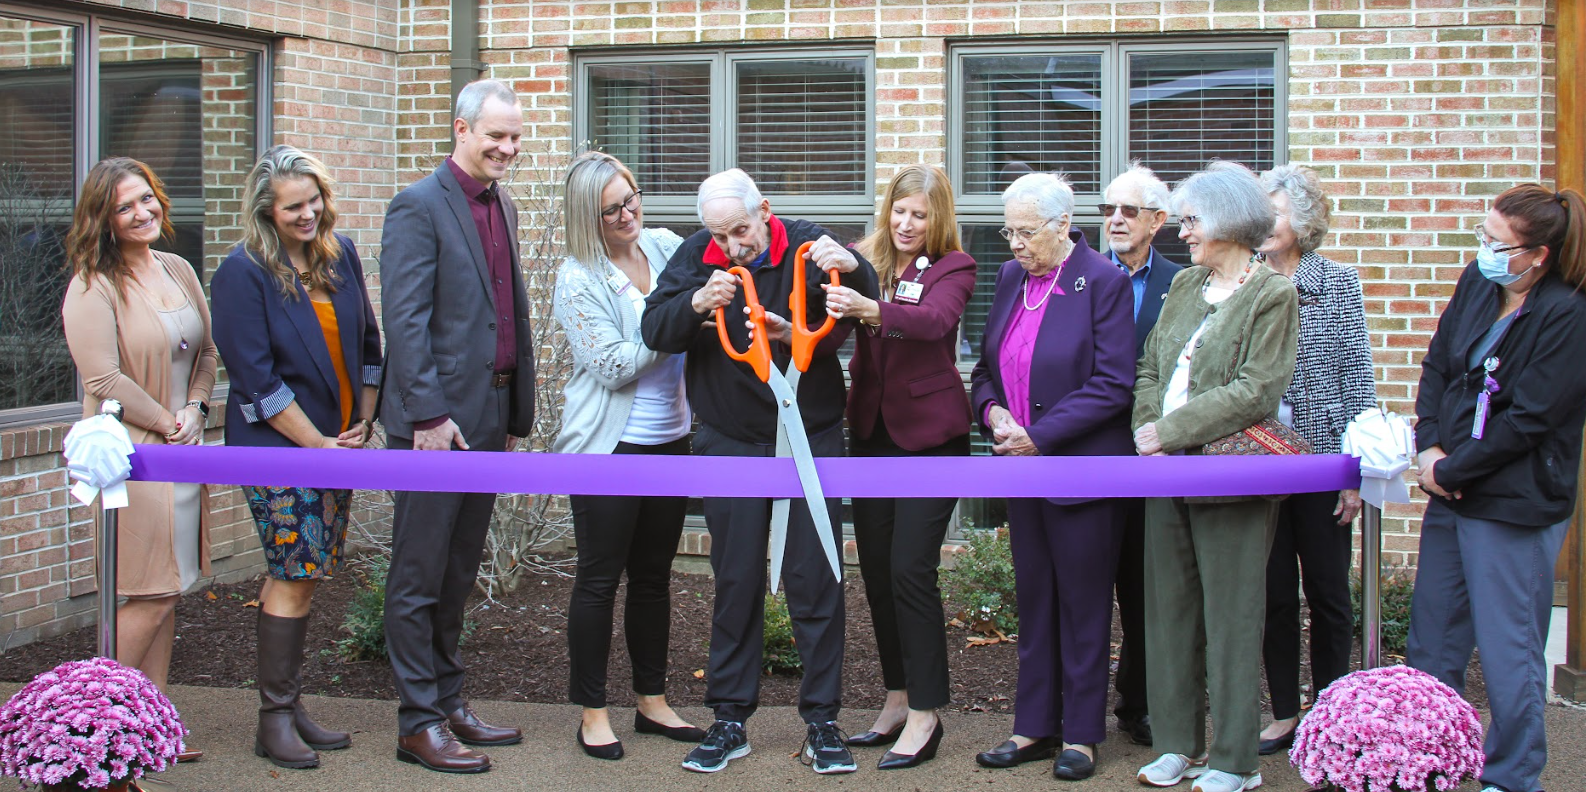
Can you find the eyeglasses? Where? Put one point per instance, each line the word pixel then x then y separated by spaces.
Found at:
pixel 1129 212
pixel 1486 242
pixel 1007 233
pixel 612 213
pixel 1188 222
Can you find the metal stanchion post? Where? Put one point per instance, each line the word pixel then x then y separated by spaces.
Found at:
pixel 107 560
pixel 1371 586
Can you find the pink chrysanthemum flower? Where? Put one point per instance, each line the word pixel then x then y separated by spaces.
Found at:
pixel 87 724
pixel 1389 729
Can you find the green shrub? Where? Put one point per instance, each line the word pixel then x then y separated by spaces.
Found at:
pixel 979 586
pixel 365 620
pixel 780 656
pixel 1398 585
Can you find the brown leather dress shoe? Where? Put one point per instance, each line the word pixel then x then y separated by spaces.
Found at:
pixel 436 749
pixel 473 731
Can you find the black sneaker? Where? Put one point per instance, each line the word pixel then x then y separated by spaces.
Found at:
pixel 826 750
pixel 724 742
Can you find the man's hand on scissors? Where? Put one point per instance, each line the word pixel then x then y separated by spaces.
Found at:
pixel 829 255
pixel 776 328
pixel 716 293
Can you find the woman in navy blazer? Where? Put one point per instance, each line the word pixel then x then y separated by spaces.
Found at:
pixel 295 328
pixel 1055 377
pixel 907 399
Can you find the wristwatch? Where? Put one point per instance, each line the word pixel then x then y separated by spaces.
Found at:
pixel 203 408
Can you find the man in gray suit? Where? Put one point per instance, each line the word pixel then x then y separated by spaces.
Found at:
pixel 459 375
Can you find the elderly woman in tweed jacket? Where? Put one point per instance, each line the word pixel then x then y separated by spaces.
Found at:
pixel 1332 384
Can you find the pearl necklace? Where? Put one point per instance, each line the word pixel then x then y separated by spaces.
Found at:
pixel 1049 289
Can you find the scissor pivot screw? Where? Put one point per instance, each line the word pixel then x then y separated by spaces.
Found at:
pixel 787 403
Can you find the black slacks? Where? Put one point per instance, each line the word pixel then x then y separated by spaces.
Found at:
pixel 1130 592
pixel 617 534
pixel 1308 536
pixel 437 541
pixel 739 537
pixel 899 543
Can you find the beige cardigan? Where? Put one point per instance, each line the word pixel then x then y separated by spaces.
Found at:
pixel 121 351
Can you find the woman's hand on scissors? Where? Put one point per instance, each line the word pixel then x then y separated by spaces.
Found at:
pixel 776 328
pixel 842 301
pixel 716 293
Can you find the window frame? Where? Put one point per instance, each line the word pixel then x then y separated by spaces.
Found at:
pixel 859 208
pixel 87 29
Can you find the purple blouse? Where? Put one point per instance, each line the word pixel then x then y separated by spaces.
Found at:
pixel 1018 342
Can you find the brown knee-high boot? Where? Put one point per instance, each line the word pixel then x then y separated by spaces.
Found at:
pixel 317 737
pixel 280 661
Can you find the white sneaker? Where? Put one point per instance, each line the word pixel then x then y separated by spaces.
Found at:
pixel 1171 768
pixel 1219 781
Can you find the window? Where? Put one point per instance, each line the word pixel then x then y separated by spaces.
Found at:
pixel 797 121
pixel 1087 110
pixel 191 107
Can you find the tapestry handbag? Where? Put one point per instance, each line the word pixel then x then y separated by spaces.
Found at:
pixel 1269 436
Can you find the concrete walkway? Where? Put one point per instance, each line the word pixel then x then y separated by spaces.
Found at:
pixel 222 721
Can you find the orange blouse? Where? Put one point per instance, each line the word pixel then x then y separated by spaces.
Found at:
pixel 327 323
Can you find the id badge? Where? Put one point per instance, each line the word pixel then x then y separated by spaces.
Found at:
pixel 618 282
pixel 909 292
pixel 1483 402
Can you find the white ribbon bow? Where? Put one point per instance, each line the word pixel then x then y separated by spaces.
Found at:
pixel 1385 445
pixel 97 451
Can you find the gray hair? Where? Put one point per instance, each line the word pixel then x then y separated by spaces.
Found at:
pixel 1052 195
pixel 1231 205
pixel 471 99
pixel 733 183
pixel 586 179
pixel 1152 191
pixel 1309 212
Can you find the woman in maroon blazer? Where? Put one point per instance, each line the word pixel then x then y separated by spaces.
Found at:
pixel 907 399
pixel 1055 378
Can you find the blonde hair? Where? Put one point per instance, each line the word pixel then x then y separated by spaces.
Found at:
pixel 587 178
pixel 941 230
pixel 259 237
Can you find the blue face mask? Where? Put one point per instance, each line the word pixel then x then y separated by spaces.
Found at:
pixel 1495 266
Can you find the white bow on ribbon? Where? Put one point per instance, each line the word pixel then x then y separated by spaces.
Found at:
pixel 1385 446
pixel 97 451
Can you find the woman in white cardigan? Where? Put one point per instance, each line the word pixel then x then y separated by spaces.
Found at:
pixel 622 398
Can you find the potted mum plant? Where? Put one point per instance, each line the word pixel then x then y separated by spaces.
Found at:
pixel 1392 728
pixel 88 725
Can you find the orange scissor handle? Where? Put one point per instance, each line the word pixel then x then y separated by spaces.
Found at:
pixel 759 354
pixel 805 339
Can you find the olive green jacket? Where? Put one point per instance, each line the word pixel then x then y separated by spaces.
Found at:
pixel 1242 363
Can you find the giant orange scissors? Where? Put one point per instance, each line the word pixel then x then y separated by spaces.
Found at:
pixel 791 440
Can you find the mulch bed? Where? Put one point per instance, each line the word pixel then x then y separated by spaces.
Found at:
pixel 517 650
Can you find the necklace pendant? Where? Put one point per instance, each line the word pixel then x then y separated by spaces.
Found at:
pixel 183 345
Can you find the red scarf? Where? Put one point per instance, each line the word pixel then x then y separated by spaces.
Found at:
pixel 716 257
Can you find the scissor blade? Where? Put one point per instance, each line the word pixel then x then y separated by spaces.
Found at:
pixel 779 512
pixel 804 461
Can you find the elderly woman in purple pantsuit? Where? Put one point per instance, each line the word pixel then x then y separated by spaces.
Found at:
pixel 1055 377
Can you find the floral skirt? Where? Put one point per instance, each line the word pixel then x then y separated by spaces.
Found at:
pixel 302 529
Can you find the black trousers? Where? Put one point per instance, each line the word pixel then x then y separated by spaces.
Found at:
pixel 899 542
pixel 739 537
pixel 617 534
pixel 437 541
pixel 1130 592
pixel 1308 536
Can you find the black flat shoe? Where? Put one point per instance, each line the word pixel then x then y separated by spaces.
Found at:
pixel 897 761
pixel 1138 729
pixel 684 734
pixel 1009 754
pixel 872 739
pixel 1074 765
pixel 1276 744
pixel 611 750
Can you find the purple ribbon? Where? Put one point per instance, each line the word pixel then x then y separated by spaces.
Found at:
pixel 747 477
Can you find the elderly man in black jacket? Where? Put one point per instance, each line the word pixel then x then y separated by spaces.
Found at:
pixel 738 417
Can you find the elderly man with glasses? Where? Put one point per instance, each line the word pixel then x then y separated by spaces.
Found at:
pixel 1133 210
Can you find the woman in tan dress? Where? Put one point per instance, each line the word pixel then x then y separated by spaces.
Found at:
pixel 138 328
